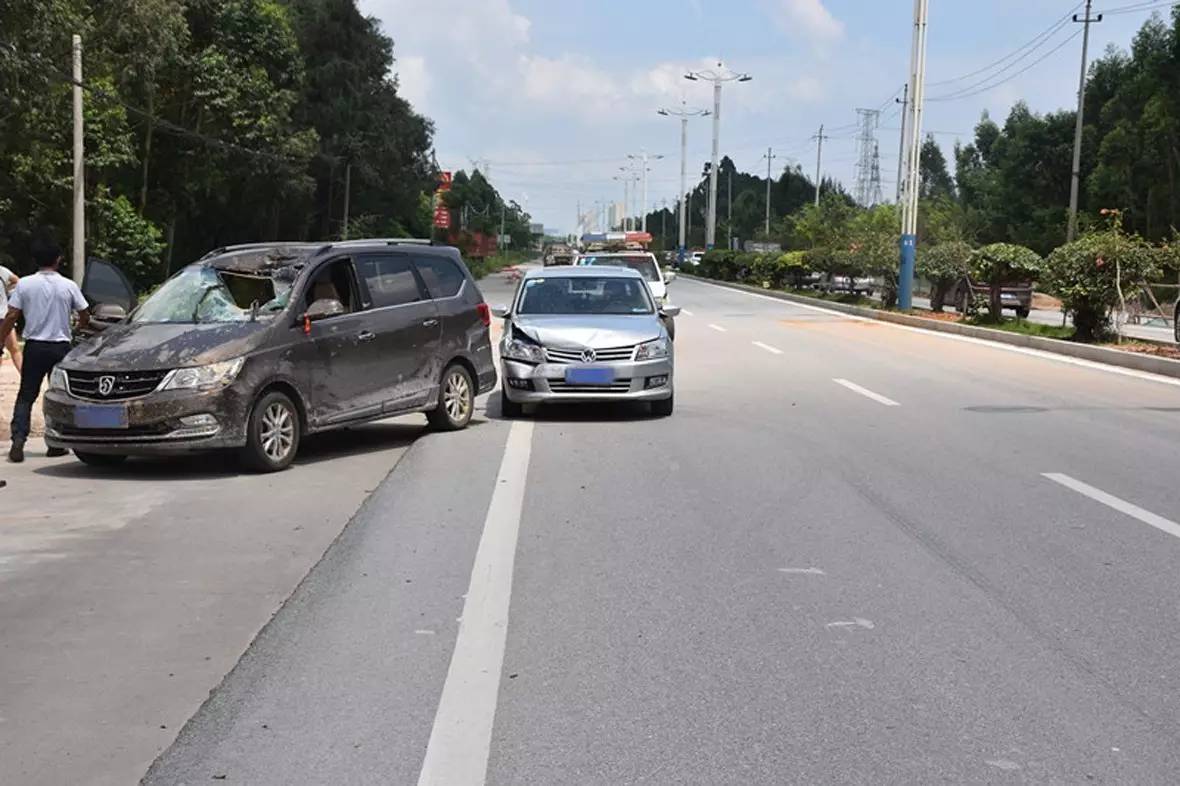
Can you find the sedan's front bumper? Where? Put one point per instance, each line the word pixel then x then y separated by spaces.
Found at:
pixel 160 423
pixel 648 380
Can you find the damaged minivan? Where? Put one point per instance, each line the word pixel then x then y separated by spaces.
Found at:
pixel 253 347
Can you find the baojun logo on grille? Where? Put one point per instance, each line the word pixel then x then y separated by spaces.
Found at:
pixel 106 385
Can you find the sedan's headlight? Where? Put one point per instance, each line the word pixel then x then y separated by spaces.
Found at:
pixel 211 377
pixel 57 379
pixel 652 350
pixel 515 349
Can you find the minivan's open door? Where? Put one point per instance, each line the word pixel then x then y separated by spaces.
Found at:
pixel 109 292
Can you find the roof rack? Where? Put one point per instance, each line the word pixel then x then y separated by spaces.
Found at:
pixel 389 241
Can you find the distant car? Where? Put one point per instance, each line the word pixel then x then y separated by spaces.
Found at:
pixel 1015 297
pixel 642 262
pixel 858 285
pixel 560 255
pixel 252 347
pixel 695 258
pixel 585 334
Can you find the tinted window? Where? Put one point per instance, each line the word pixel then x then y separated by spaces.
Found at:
pixel 584 295
pixel 644 264
pixel 105 284
pixel 390 279
pixel 442 276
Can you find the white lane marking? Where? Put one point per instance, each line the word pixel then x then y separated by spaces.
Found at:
pixel 686 312
pixel 768 348
pixel 855 388
pixel 718 328
pixel 805 571
pixel 1036 353
pixel 462 733
pixel 1111 501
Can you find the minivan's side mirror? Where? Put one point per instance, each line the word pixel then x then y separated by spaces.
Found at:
pixel 500 311
pixel 322 309
pixel 670 311
pixel 109 313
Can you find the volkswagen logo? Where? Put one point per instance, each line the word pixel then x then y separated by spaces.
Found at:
pixel 106 385
pixel 589 356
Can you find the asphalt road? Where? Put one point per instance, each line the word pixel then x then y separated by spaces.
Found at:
pixel 857 553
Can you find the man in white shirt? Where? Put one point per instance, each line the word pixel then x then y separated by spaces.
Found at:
pixel 8 280
pixel 46 300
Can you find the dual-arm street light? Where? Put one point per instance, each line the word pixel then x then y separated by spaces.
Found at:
pixel 643 158
pixel 684 113
pixel 718 76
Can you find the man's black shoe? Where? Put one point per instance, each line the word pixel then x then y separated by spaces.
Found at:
pixel 16 453
pixel 56 452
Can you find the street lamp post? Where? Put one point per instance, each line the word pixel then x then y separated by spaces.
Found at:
pixel 718 76
pixel 909 230
pixel 643 158
pixel 684 113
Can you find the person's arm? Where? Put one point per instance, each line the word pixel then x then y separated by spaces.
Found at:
pixel 83 319
pixel 82 307
pixel 9 323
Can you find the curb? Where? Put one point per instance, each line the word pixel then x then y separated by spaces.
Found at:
pixel 1111 357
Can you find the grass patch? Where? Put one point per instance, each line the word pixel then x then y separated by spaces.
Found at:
pixel 1024 327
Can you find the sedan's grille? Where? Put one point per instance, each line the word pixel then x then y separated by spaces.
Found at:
pixel 618 386
pixel 115 385
pixel 612 355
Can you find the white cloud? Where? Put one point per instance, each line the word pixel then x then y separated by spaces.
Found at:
pixel 567 83
pixel 413 81
pixel 808 18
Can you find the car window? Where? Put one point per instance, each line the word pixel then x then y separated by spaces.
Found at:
pixel 584 295
pixel 333 281
pixel 390 279
pixel 441 276
pixel 641 263
pixel 105 284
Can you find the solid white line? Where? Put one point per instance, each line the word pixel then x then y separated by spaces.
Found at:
pixel 1122 506
pixel 462 733
pixel 768 348
pixel 718 328
pixel 855 388
pixel 1036 353
pixel 686 312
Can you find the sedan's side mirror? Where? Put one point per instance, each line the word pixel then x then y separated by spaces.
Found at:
pixel 324 308
pixel 669 276
pixel 501 311
pixel 670 311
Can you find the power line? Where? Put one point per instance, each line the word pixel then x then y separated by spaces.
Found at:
pixel 968 92
pixel 1147 6
pixel 1034 43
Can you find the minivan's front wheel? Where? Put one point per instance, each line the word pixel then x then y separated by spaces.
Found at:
pixel 272 437
pixel 456 400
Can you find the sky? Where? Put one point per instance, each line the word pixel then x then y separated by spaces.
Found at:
pixel 551 96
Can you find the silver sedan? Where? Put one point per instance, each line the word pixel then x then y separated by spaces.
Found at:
pixel 585 334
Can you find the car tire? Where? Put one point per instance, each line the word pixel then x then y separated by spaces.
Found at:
pixel 663 407
pixel 100 459
pixel 456 400
pixel 1023 313
pixel 508 407
pixel 272 434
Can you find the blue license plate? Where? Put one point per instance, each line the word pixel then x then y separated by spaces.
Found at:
pixel 100 416
pixel 589 376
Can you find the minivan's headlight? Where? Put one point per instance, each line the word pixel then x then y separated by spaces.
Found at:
pixel 652 350
pixel 215 375
pixel 57 379
pixel 516 349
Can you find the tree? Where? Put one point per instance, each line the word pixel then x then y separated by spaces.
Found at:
pixel 943 265
pixel 933 177
pixel 998 264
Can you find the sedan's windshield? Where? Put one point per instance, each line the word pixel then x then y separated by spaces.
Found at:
pixel 641 263
pixel 584 295
pixel 202 294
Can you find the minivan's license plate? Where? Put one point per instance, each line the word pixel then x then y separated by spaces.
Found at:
pixel 589 376
pixel 100 416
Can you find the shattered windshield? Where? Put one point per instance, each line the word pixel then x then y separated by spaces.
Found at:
pixel 203 294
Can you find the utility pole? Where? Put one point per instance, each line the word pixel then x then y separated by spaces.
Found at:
pixel 664 223
pixel 909 230
pixel 1076 179
pixel 347 198
pixel 718 77
pixel 729 212
pixel 770 156
pixel 626 186
pixel 643 158
pixel 500 239
pixel 684 113
pixel 819 159
pixel 78 260
pixel 905 102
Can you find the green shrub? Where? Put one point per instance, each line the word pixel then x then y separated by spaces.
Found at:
pixel 1003 263
pixel 943 265
pixel 1088 273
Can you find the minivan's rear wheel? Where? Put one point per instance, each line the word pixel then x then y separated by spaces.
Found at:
pixel 456 400
pixel 508 407
pixel 100 459
pixel 273 433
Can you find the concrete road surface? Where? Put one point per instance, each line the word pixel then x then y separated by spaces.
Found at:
pixel 857 553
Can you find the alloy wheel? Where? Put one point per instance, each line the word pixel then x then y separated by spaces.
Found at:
pixel 457 396
pixel 278 431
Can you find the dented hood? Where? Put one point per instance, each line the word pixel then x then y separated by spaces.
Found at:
pixel 594 331
pixel 150 346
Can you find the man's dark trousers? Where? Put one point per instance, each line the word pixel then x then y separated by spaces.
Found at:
pixel 40 358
